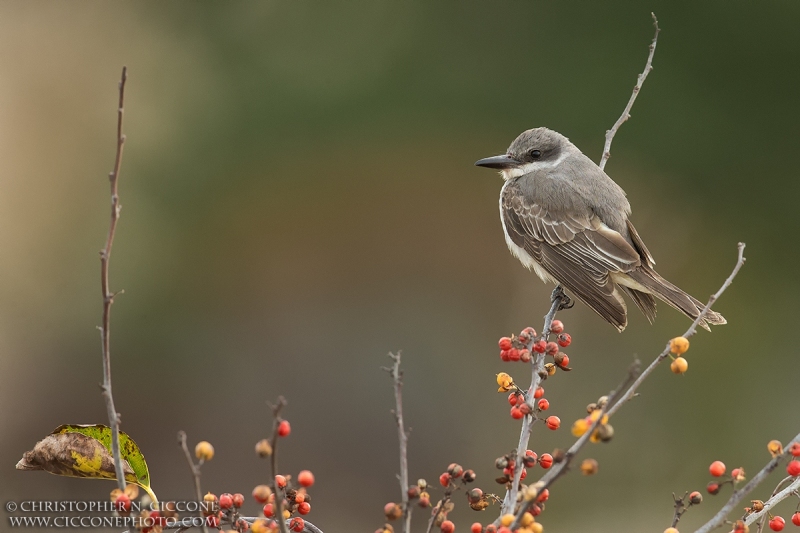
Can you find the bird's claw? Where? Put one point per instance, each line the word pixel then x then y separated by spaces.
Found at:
pixel 565 302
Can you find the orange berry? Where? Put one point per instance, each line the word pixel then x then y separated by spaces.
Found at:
pixel 678 345
pixel 204 451
pixel 448 527
pixel 476 528
pixel 553 422
pixel 679 365
pixel 717 468
pixel 305 478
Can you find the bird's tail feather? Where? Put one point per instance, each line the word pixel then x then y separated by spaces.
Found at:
pixel 674 296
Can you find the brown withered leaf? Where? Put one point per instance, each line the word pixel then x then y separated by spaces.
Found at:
pixel 71 454
pixel 479 505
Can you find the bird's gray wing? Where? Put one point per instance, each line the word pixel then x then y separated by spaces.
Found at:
pixel 577 249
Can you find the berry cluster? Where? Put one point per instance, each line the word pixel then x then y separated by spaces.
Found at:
pixel 677 347
pixel 452 479
pixel 296 500
pixel 775 448
pixel 520 347
pixel 604 432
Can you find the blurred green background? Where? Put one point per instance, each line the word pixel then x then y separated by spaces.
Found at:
pixel 300 198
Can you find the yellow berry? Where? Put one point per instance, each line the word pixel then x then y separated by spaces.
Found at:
pixel 504 381
pixel 670 530
pixel 596 414
pixel 259 526
pixel 679 365
pixel 679 345
pixel 204 451
pixel 775 448
pixel 537 527
pixel 263 448
pixel 580 426
pixel 527 520
pixel 550 368
pixel 589 467
pixel 507 520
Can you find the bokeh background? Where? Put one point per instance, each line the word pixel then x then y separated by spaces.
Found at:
pixel 300 198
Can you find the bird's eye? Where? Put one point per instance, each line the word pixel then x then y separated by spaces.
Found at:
pixel 536 154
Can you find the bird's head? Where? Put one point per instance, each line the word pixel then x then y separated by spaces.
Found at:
pixel 534 149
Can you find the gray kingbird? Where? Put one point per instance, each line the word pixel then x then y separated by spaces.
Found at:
pixel 566 220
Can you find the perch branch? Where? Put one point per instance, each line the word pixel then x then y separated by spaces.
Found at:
pixel 626 113
pixel 559 300
pixel 108 296
pixel 775 499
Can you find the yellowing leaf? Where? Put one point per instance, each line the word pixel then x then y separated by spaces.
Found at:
pixel 85 451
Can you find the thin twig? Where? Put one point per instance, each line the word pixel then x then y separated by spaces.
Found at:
pixel 626 113
pixel 195 473
pixel 397 377
pixel 279 492
pixel 439 509
pixel 561 468
pixel 739 494
pixel 630 393
pixel 108 296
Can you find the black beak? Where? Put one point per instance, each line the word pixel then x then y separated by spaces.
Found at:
pixel 499 161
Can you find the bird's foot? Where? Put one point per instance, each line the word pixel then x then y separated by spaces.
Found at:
pixel 565 302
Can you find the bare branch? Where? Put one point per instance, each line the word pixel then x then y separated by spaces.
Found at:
pixel 195 473
pixel 108 297
pixel 397 377
pixel 626 113
pixel 739 494
pixel 689 332
pixel 776 498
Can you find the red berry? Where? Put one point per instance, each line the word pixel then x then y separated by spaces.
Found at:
pixel 717 468
pixel 516 413
pixel 455 470
pixel 444 479
pixel 238 500
pixel 512 399
pixel 546 460
pixel 297 524
pixel 504 355
pixel 564 340
pixel 280 481
pixel 304 508
pixel 504 343
pixel 793 468
pixel 553 422
pixel 562 360
pixel 513 354
pixel 543 404
pixel 284 428
pixel 543 496
pixel 225 501
pixel 476 528
pixel 448 526
pixel 712 487
pixel 524 408
pixel 796 518
pixel 777 523
pixel 123 503
pixel 794 449
pixel 551 348
pixel 535 510
pixel 491 528
pixel 556 327
pixel 475 495
pixel 305 478
pixel 523 474
pixel 540 346
pixel 212 520
pixel 530 459
pixel 525 355
pixel 538 393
